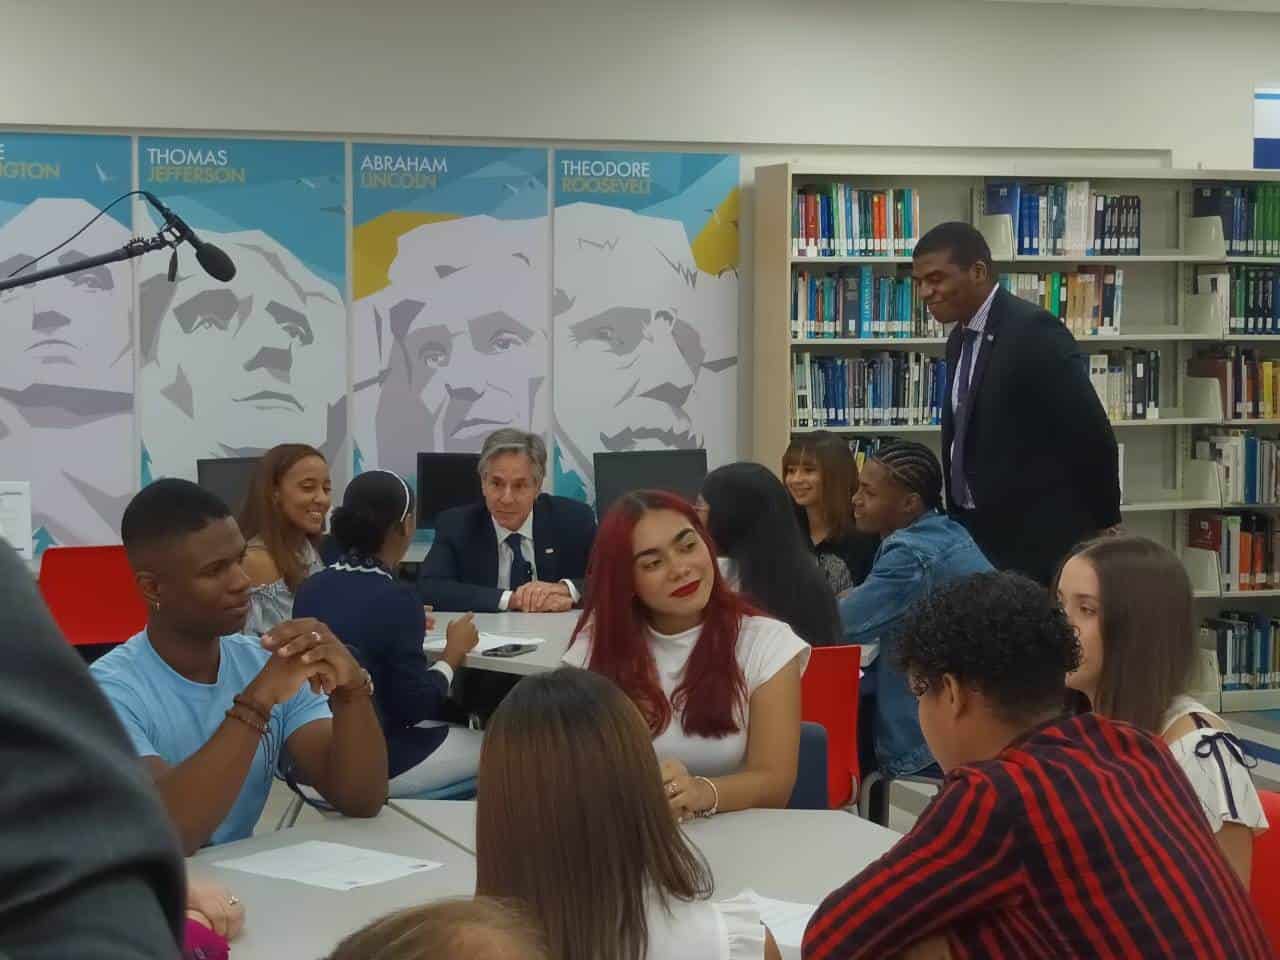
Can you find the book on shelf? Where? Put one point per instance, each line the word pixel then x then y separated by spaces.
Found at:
pixel 1250 215
pixel 1089 300
pixel 839 220
pixel 1248 384
pixel 1247 465
pixel 863 448
pixel 1254 300
pixel 1120 468
pixel 858 304
pixel 1246 646
pixel 1247 546
pixel 886 388
pixel 1066 218
pixel 1218 283
pixel 1127 383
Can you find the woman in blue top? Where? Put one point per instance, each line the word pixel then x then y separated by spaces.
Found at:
pixel 899 498
pixel 383 621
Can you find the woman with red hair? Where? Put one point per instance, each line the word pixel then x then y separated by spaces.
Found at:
pixel 717 683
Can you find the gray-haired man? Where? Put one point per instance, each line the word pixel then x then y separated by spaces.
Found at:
pixel 520 549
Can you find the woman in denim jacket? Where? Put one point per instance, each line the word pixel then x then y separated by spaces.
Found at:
pixel 898 498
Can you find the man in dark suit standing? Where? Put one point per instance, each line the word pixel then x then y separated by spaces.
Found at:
pixel 1027 451
pixel 519 550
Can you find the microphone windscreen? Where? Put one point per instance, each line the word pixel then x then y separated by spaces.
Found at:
pixel 215 261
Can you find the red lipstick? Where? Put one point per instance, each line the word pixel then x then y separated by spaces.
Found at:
pixel 688 590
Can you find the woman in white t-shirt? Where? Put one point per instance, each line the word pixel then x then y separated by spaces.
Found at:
pixel 572 821
pixel 717 684
pixel 1131 601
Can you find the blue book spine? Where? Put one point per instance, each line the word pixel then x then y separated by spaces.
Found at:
pixel 842 389
pixel 866 290
pixel 1026 224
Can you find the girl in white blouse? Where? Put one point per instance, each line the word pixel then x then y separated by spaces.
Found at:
pixel 572 820
pixel 717 685
pixel 1130 600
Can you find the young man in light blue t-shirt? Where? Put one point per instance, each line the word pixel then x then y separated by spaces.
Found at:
pixel 210 710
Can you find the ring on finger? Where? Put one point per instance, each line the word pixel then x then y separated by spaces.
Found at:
pixel 233 901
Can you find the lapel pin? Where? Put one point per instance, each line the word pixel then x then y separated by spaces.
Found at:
pixel 549 550
pixel 991 338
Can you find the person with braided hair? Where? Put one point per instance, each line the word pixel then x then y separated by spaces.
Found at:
pixel 899 499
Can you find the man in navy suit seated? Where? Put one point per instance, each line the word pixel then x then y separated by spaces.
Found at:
pixel 520 549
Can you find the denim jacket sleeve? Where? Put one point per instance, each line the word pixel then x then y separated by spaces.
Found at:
pixel 896 579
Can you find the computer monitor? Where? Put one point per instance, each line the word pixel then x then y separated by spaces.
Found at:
pixel 446 480
pixel 228 477
pixel 678 471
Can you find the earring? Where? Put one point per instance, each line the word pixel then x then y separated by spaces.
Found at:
pixel 155 605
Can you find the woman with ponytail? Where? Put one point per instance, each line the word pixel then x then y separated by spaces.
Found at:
pixel 383 621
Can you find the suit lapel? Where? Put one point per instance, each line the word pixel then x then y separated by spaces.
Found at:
pixel 544 543
pixel 953 361
pixel 487 555
pixel 987 348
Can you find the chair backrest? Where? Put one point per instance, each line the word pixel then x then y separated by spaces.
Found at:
pixel 92 594
pixel 1264 879
pixel 829 696
pixel 810 791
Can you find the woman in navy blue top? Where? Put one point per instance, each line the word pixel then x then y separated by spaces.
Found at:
pixel 383 621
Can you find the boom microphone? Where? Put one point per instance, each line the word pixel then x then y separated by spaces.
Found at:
pixel 214 259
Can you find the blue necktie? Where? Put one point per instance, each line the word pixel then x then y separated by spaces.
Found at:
pixel 520 572
pixel 959 480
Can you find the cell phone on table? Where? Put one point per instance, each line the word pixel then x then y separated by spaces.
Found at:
pixel 510 650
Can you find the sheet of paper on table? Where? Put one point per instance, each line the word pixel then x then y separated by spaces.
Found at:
pixel 785 920
pixel 334 866
pixel 435 642
pixel 15 515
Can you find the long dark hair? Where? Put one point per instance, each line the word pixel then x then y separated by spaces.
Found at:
pixel 572 818
pixel 831 456
pixel 711 698
pixel 1147 627
pixel 262 518
pixel 753 523
pixel 374 503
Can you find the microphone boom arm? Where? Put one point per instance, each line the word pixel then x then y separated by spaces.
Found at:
pixel 134 248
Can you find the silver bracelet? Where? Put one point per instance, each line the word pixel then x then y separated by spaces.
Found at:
pixel 715 801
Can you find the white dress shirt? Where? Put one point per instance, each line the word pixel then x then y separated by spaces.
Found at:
pixel 978 324
pixel 529 554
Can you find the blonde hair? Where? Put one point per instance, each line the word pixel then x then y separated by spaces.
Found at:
pixel 478 929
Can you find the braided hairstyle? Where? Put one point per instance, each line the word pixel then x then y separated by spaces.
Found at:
pixel 916 467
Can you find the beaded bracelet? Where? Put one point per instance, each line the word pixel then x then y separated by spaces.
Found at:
pixel 254 724
pixel 240 700
pixel 344 694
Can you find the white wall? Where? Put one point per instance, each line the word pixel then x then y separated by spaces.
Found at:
pixel 838 80
pixel 911 72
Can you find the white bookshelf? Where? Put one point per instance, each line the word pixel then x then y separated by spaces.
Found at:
pixel 866 343
pixel 1161 482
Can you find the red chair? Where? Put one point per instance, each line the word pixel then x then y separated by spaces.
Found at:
pixel 92 594
pixel 1264 878
pixel 829 696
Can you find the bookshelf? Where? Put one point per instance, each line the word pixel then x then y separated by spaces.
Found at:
pixel 1162 482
